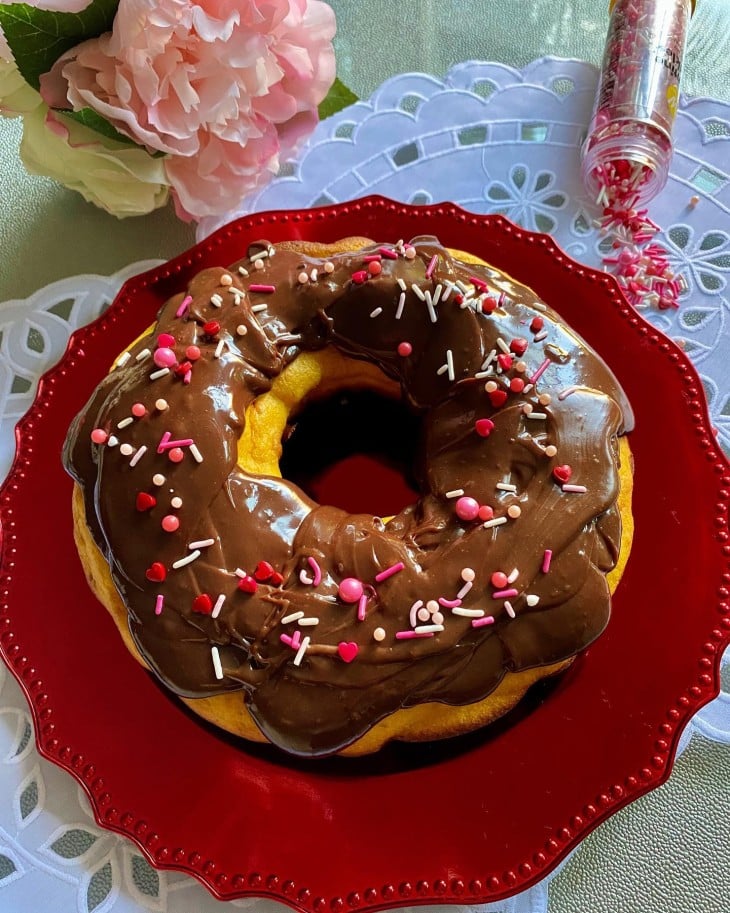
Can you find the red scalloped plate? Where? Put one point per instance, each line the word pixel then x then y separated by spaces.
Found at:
pixel 468 820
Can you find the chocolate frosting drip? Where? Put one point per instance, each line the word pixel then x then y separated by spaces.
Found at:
pixel 347 678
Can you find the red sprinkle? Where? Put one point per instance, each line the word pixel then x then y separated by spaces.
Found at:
pixel 537 324
pixel 484 427
pixel 211 328
pixel 263 571
pixel 165 340
pixel 504 361
pixel 192 353
pixel 404 349
pixel 347 650
pixel 517 385
pixel 156 572
pixel 485 513
pixel 360 276
pixel 499 580
pixel 518 345
pixel 562 473
pixel 182 369
pixel 498 398
pixel 145 501
pixel 374 268
pixel 276 579
pixel 489 305
pixel 203 604
pixel 266 289
pixel 247 584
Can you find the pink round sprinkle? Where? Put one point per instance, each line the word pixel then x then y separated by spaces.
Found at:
pixel 375 268
pixel 437 618
pixel 164 357
pixel 350 589
pixel 467 509
pixel 468 574
pixel 138 410
pixel 192 353
pixel 99 436
pixel 410 253
pixel 160 405
pixel 433 606
pixel 302 278
pixel 379 634
pixel 498 580
pixel 404 349
pixel 176 502
pixel 514 511
pixel 164 340
pixel 176 455
pixel 423 614
pixel 170 523
pixel 485 513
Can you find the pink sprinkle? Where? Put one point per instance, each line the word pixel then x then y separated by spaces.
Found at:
pixel 371 258
pixel 389 254
pixel 566 392
pixel 504 594
pixel 481 622
pixel 409 635
pixel 547 558
pixel 138 410
pixel 361 606
pixel 577 489
pixel 170 523
pixel 404 349
pixel 431 266
pixel 99 436
pixel 176 455
pixel 159 603
pixel 478 283
pixel 389 571
pixel 186 302
pixel 167 444
pixel 449 603
pixel 164 357
pixel 285 639
pixel 540 371
pixel 267 289
pixel 359 276
pixel 350 589
pixel 316 570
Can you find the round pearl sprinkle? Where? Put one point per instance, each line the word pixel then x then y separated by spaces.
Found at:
pixel 490 386
pixel 138 410
pixel 423 614
pixel 176 455
pixel 158 479
pixel 527 408
pixel 99 436
pixel 375 268
pixel 404 349
pixel 468 574
pixel 514 511
pixel 164 358
pixel 258 264
pixel 329 267
pixel 165 340
pixel 350 589
pixel 241 330
pixel 498 580
pixel 226 279
pixel 467 508
pixel 485 513
pixel 544 399
pixel 176 502
pixel 160 405
pixel 437 618
pixel 551 450
pixel 302 278
pixel 170 523
pixel 410 253
pixel 126 450
pixel 521 366
pixel 192 353
pixel 432 606
pixel 379 634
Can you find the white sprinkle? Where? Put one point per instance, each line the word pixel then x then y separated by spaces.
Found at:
pixel 437 294
pixel 455 493
pixel 563 393
pixel 464 590
pixel 305 578
pixel 527 388
pixel 257 308
pixel 197 455
pixel 468 613
pixel 376 313
pixel 217 667
pixel 508 608
pixel 240 573
pixel 271 250
pixel 480 375
pixel 158 479
pixel 463 287
pixel 219 348
pixel 536 415
pixel 450 364
pixel 513 576
pixel 503 345
pixel 531 599
pixel 541 336
pixel 218 606
pixel 142 355
pixel 216 300
pixel 577 489
pixel 428 629
pixel 112 441
pixel 443 369
pixel 309 622
pixel 295 616
pixel 497 521
pixel 301 651
pixel 259 255
pixel 402 285
pixel 401 305
pixel 313 275
pixel 125 421
pixel 156 375
pixel 123 359
pixel 188 559
pixel 138 455
pixel 489 359
pixel 418 292
pixel 447 291
pixel 243 271
pixel 126 450
pixel 539 306
pixel 413 614
pixel 203 543
pixel 431 310
pixel 506 486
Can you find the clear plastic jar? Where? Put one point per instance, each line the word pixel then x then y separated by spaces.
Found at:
pixel 628 149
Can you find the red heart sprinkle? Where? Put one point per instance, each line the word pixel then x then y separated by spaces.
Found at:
pixel 145 501
pixel 562 473
pixel 263 571
pixel 498 398
pixel 166 341
pixel 203 604
pixel 182 369
pixel 211 328
pixel 537 324
pixel 484 427
pixel 504 361
pixel 247 584
pixel 360 276
pixel 347 650
pixel 519 345
pixel 156 572
pixel 276 579
pixel 489 305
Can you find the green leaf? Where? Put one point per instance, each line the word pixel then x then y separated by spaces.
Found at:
pixel 73 843
pixel 37 38
pixel 89 118
pixel 338 97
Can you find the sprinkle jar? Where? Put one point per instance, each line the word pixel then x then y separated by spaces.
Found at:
pixel 626 155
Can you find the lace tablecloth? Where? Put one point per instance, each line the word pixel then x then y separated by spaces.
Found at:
pixel 492 139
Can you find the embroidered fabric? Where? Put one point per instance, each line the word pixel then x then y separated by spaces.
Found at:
pixel 490 138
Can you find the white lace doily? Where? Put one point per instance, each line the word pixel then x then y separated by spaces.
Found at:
pixel 488 137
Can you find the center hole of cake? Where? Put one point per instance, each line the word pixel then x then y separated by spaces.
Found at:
pixel 354 450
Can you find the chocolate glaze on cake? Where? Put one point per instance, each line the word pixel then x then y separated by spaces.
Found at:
pixel 466 327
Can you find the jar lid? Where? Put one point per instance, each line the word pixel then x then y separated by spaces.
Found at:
pixel 612 3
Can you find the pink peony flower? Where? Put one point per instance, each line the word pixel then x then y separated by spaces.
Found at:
pixel 223 87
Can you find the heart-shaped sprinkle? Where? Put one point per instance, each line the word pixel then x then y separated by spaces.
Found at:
pixel 165 340
pixel 145 501
pixel 263 571
pixel 498 398
pixel 156 572
pixel 203 604
pixel 276 579
pixel 247 584
pixel 211 328
pixel 518 345
pixel 360 276
pixel 562 473
pixel 484 427
pixel 504 361
pixel 182 369
pixel 348 650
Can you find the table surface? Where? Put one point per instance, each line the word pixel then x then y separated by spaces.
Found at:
pixel 667 852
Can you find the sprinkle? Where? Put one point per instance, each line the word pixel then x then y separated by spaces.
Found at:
pixel 99 436
pixel 265 289
pixel 455 493
pixel 428 629
pixel 418 292
pixel 309 622
pixel 497 521
pixel 241 329
pixel 481 622
pixel 258 308
pixel 126 450
pixel 404 349
pixel 442 370
pixel 464 590
pixel 258 263
pixel 176 455
pixel 218 606
pixel 217 667
pixel 449 603
pixel 551 450
pixel 301 651
pixel 112 442
pixel 158 479
pixel 577 489
pixel 376 313
pixel 125 422
pixel 145 353
pixel 450 364
pixel 303 278
pixel 431 266
pixel 138 455
pixel 503 345
pixel 514 511
pixel 216 301
pixel 401 284
pixel 565 393
pixel 531 599
pixel 243 271
pixel 305 578
pixel 219 348
pixel 540 371
pixel 185 304
pixel 498 580
pixel 541 336
pixel 388 253
pixel 316 570
pixel 693 201
pixel 160 405
pixel 159 602
pixel 547 558
pixel 410 252
pixel 501 594
pixel 379 634
pixel 431 310
pixel 197 455
pixel 508 608
pixel 468 613
pixel 539 306
pixel 537 415
pixel 156 375
pixel 401 305
pixel 329 267
pixel 513 576
pixel 123 359
pixel 202 543
pixel 295 616
pixel 389 572
pixel 188 559
pixel 409 635
pixel 170 523
pixel 468 574
pixel 225 279
pixel 506 486
pixel 361 607
pixel 413 614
